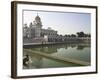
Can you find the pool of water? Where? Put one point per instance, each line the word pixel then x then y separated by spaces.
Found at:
pixel 79 51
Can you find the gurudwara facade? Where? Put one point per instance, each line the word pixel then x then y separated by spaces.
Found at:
pixel 35 31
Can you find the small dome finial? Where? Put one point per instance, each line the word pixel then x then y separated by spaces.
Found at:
pixel 37 17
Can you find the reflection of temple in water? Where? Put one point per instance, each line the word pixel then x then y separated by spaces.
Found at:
pixel 53 48
pixel 47 49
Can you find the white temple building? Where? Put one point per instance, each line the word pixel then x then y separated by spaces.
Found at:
pixel 35 31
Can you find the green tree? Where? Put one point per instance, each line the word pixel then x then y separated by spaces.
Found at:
pixel 73 35
pixel 80 34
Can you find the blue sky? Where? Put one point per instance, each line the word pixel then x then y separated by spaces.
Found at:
pixel 63 22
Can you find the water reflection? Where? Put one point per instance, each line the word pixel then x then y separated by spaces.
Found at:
pixel 54 48
pixel 79 51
